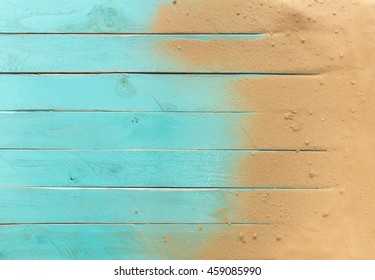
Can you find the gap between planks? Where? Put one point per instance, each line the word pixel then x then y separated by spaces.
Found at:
pixel 125 111
pixel 179 189
pixel 169 150
pixel 163 73
pixel 104 223
pixel 193 34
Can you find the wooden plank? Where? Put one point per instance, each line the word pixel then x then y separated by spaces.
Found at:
pixel 123 16
pixel 115 53
pixel 226 168
pixel 76 205
pixel 125 130
pixel 43 242
pixel 158 130
pixel 32 205
pixel 117 92
pixel 91 16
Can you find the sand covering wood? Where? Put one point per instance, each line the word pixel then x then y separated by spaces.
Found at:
pixel 333 110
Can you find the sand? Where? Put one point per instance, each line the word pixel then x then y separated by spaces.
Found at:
pixel 332 110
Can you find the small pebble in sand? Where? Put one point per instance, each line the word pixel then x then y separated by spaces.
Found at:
pixel 325 214
pixel 241 236
pixel 289 115
pixel 296 127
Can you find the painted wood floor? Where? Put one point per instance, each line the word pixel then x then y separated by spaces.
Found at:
pixel 114 147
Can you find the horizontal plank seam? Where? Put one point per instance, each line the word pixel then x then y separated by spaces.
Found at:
pixel 144 223
pixel 135 34
pixel 244 74
pixel 125 111
pixel 175 189
pixel 161 73
pixel 167 150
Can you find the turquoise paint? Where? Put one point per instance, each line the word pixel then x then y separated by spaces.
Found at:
pixel 86 16
pixel 102 53
pixel 117 92
pixel 125 130
pixel 101 242
pixel 123 168
pixel 40 187
pixel 74 205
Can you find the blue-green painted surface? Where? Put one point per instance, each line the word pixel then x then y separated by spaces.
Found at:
pixel 107 241
pixel 118 92
pixel 73 16
pixel 100 205
pixel 87 167
pixel 125 130
pixel 105 53
pixel 123 168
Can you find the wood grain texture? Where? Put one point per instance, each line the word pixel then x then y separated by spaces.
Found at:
pixel 77 205
pixel 198 169
pixel 87 16
pixel 119 142
pixel 105 53
pixel 125 130
pixel 118 92
pixel 100 242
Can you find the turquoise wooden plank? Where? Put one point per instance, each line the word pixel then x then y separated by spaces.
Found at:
pixel 117 92
pixel 100 242
pixel 93 16
pixel 110 130
pixel 100 205
pixel 121 168
pixel 105 53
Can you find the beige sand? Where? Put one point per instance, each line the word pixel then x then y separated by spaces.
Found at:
pixel 334 110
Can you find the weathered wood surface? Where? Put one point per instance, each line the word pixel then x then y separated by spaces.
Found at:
pixel 122 92
pixel 72 16
pixel 116 145
pixel 100 242
pixel 101 205
pixel 125 130
pixel 198 169
pixel 109 53
pixel 110 16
